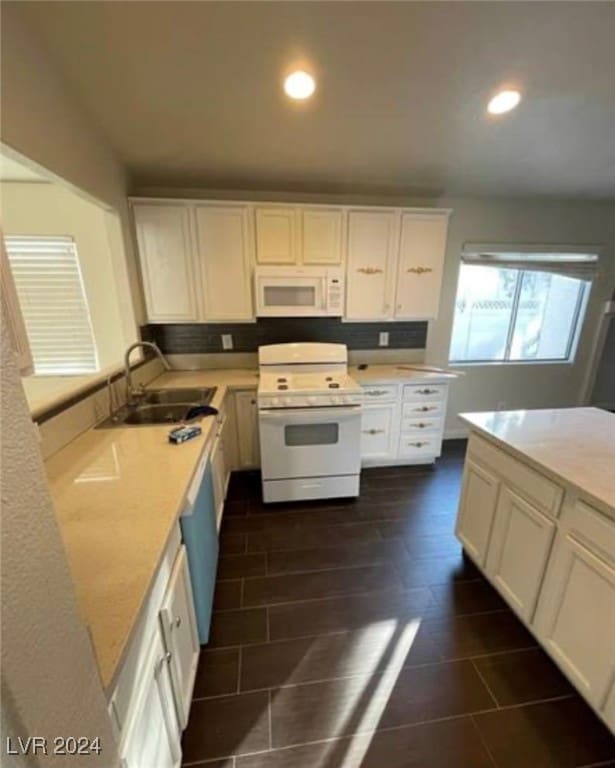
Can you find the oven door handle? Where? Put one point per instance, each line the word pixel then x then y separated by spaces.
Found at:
pixel 333 413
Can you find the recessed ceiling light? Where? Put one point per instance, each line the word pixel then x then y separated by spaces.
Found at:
pixel 299 85
pixel 503 101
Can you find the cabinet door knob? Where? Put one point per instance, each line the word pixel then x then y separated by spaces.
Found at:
pixel 168 656
pixel 178 621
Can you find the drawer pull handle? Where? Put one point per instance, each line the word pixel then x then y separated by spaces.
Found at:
pixel 376 392
pixel 423 424
pixel 370 270
pixel 373 431
pixel 419 270
pixel 419 444
pixel 427 391
pixel 425 408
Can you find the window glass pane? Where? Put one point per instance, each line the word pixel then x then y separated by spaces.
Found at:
pixel 545 317
pixel 311 434
pixel 483 311
pixel 290 296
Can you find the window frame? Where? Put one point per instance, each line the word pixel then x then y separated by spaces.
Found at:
pixel 573 338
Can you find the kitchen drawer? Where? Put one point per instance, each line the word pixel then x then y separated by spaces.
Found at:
pixel 416 410
pixel 536 488
pixel 424 392
pixel 426 425
pixel 380 392
pixel 419 447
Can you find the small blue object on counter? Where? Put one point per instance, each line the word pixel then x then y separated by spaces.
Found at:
pixel 181 434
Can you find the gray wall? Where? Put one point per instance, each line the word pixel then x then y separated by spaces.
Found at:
pixel 604 386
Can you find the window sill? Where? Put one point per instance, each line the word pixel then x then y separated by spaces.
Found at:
pixel 511 363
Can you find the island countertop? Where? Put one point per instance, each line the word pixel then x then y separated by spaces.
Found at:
pixel 573 445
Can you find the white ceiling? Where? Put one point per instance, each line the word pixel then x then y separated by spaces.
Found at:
pixel 189 93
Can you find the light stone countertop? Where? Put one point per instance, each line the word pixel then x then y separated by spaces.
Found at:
pixel 397 372
pixel 575 446
pixel 117 494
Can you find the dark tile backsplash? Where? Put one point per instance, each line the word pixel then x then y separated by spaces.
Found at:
pixel 175 338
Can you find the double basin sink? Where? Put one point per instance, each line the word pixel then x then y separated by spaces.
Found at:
pixel 161 406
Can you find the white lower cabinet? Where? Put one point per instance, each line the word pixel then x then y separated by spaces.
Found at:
pixel 518 551
pixel 402 423
pixel 378 436
pixel 248 448
pixel 178 624
pixel 553 562
pixel 152 736
pixel 218 466
pixel 575 618
pixel 150 700
pixel 479 496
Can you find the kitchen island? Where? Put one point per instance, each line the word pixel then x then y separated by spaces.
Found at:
pixel 537 516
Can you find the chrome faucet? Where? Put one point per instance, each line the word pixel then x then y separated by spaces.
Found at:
pixel 146 345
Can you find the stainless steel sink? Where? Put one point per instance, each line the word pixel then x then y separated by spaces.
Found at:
pixel 160 406
pixel 201 396
pixel 156 414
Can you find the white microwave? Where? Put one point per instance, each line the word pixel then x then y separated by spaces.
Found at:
pixel 299 291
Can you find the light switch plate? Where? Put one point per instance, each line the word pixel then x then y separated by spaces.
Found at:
pixel 227 341
pixel 383 339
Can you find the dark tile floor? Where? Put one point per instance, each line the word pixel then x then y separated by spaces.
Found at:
pixel 355 635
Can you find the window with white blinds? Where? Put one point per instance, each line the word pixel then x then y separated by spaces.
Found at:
pixel 53 303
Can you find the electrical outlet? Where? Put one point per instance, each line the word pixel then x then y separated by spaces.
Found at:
pixel 227 341
pixel 383 339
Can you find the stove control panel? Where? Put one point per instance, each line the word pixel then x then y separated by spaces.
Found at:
pixel 323 400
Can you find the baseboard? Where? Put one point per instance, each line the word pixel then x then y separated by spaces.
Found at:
pixel 462 433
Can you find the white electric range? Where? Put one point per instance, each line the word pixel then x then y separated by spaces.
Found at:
pixel 309 412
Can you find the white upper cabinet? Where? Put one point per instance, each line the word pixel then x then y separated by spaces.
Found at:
pixel 167 263
pixel 321 235
pixel 276 234
pixel 421 264
pixel 197 257
pixel 372 247
pixel 224 247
